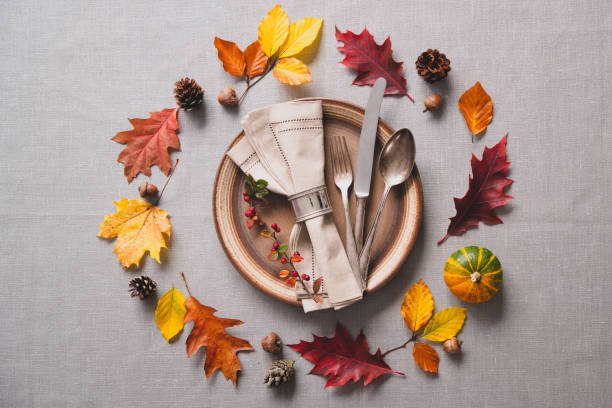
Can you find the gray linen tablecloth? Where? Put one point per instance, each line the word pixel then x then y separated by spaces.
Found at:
pixel 72 72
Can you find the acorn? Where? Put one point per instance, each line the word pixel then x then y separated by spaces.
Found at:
pixel 272 343
pixel 432 102
pixel 147 189
pixel 452 345
pixel 227 97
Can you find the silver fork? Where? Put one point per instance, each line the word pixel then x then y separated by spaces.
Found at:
pixel 343 177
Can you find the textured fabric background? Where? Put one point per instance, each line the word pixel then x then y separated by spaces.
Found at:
pixel 72 72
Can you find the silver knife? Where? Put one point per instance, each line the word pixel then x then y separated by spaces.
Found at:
pixel 365 158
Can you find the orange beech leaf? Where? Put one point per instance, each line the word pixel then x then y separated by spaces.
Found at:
pixel 477 108
pixel 283 274
pixel 231 56
pixel 256 59
pixel 209 331
pixel 149 143
pixel 426 357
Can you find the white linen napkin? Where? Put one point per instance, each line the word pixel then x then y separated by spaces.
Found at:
pixel 284 145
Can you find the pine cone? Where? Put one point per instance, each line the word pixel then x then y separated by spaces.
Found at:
pixel 142 287
pixel 280 372
pixel 188 93
pixel 432 65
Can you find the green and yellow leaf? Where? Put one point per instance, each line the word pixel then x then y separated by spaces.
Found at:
pixel 418 306
pixel 170 313
pixel 302 33
pixel 273 30
pixel 292 71
pixel 445 324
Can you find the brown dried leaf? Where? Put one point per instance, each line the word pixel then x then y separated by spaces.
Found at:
pixel 426 357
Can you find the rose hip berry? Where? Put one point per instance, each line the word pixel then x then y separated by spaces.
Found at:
pixel 295 274
pixel 283 260
pixel 305 277
pixel 275 245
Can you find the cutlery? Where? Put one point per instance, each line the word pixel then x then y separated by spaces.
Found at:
pixel 365 156
pixel 395 165
pixel 343 177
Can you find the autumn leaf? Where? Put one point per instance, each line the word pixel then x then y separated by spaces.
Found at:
pixel 139 227
pixel 342 359
pixel 170 312
pixel 372 61
pixel 418 305
pixel 231 56
pixel 256 59
pixel 445 324
pixel 426 357
pixel 149 143
pixel 209 331
pixel 477 108
pixel 302 33
pixel 292 71
pixel 273 30
pixel 485 191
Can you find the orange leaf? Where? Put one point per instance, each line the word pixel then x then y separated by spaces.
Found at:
pixel 230 55
pixel 283 274
pixel 256 59
pixel 149 143
pixel 291 71
pixel 291 281
pixel 477 108
pixel 426 357
pixel 209 331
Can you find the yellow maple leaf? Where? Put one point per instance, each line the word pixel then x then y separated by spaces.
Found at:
pixel 292 71
pixel 170 313
pixel 418 305
pixel 302 33
pixel 139 227
pixel 273 30
pixel 445 324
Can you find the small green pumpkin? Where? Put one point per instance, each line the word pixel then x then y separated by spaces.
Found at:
pixel 473 274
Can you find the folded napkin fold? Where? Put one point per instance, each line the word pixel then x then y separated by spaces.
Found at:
pixel 284 145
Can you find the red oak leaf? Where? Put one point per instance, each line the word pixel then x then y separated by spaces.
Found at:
pixel 342 358
pixel 485 191
pixel 149 143
pixel 372 61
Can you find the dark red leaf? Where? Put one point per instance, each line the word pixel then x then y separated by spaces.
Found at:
pixel 372 61
pixel 485 191
pixel 342 359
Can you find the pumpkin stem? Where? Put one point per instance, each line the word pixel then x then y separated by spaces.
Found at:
pixel 475 277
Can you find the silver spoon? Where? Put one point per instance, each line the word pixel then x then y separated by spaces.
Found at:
pixel 395 164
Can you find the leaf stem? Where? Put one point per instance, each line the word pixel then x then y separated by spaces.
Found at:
pixel 186 285
pixel 411 339
pixel 271 65
pixel 166 183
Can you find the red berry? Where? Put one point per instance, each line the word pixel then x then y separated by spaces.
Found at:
pixel 275 245
pixel 248 214
pixel 296 253
pixel 247 198
pixel 275 227
pixel 305 277
pixel 252 209
pixel 284 260
pixel 245 193
pixel 295 274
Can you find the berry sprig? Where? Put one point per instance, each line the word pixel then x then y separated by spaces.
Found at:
pixel 254 194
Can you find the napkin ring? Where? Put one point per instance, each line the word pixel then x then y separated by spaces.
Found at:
pixel 311 203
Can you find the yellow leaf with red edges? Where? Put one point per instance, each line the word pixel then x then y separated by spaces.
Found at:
pixel 273 30
pixel 256 59
pixel 445 324
pixel 292 71
pixel 418 306
pixel 139 227
pixel 302 33
pixel 426 357
pixel 477 108
pixel 231 56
